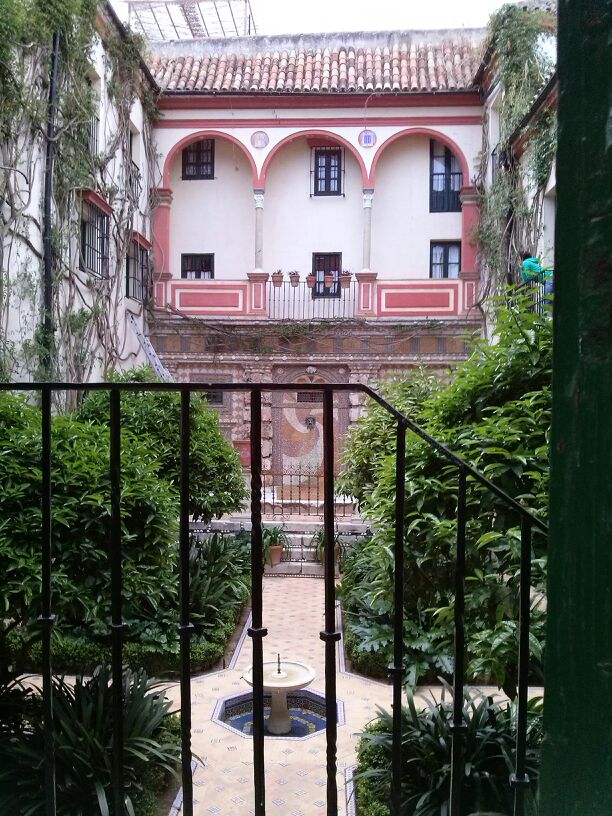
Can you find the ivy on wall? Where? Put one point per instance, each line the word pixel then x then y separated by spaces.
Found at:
pixel 511 206
pixel 86 309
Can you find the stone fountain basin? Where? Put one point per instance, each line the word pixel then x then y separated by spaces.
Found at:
pixel 293 675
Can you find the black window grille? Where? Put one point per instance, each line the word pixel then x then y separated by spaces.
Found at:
pixel 326 267
pixel 310 396
pixel 328 171
pixel 199 160
pixel 214 398
pixel 198 267
pixel 95 225
pixel 137 272
pixel 446 179
pixel 445 259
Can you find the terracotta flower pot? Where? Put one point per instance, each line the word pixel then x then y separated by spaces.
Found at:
pixel 310 281
pixel 345 281
pixel 277 279
pixel 275 554
pixel 329 281
pixel 294 278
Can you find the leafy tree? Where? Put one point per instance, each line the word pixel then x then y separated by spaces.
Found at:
pixel 496 415
pixel 81 525
pixel 217 485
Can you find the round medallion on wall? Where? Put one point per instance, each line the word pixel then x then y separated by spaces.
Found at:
pixel 367 138
pixel 260 138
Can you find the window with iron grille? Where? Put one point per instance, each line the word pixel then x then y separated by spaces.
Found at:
pixel 328 171
pixel 95 226
pixel 214 397
pixel 446 179
pixel 445 259
pixel 199 160
pixel 326 267
pixel 137 272
pixel 198 267
pixel 310 396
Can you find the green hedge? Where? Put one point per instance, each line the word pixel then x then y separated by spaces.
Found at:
pixel 496 415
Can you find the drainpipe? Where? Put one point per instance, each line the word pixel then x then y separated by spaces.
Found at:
pixel 47 338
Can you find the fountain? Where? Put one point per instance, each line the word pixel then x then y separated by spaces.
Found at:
pixel 278 680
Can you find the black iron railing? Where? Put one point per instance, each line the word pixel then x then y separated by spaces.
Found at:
pixel 298 490
pixel 289 302
pixel 330 635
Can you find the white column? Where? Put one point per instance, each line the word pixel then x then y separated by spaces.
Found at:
pixel 368 195
pixel 258 195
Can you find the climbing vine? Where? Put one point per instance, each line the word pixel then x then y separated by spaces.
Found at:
pixel 511 205
pixel 88 318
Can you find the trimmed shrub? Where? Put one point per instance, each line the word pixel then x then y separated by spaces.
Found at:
pixel 217 484
pixel 496 415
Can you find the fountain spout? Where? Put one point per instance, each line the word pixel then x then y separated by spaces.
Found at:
pixel 278 659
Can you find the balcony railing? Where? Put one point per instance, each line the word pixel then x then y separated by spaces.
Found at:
pixel 257 631
pixel 289 302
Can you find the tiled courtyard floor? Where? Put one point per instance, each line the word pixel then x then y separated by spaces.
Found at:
pixel 295 769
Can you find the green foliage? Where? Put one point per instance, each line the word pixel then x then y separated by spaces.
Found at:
pixel 426 756
pixel 220 569
pixel 83 739
pixel 217 485
pixel 81 525
pixel 520 63
pixel 373 437
pixel 496 415
pixel 507 223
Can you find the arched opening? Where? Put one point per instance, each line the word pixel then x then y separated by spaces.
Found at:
pixel 313 203
pixel 417 219
pixel 211 178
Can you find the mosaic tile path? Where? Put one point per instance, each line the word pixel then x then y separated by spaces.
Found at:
pixel 295 769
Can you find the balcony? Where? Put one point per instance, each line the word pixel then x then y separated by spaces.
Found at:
pixel 364 296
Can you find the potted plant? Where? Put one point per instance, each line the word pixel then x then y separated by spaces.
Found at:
pixel 274 541
pixel 329 279
pixel 277 278
pixel 311 279
pixel 294 278
pixel 318 542
pixel 345 278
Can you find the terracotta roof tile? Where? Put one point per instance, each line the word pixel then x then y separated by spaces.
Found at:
pixel 383 62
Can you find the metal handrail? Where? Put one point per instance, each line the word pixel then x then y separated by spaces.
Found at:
pixel 330 635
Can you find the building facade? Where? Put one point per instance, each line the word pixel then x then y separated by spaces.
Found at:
pixel 315 216
pixel 99 211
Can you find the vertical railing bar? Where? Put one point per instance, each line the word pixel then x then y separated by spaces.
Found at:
pixel 330 636
pixel 397 669
pixel 185 628
pixel 459 726
pixel 46 619
pixel 117 625
pixel 520 779
pixel 256 631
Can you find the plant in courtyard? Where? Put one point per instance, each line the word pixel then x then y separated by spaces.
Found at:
pixel 489 741
pixel 219 574
pixel 81 527
pixel 496 415
pixel 83 740
pixel 274 540
pixel 217 485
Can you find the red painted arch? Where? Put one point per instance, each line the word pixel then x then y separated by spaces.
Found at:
pixel 205 134
pixel 302 134
pixel 421 131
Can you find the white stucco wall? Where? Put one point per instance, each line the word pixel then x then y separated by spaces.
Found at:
pixel 297 224
pixel 215 215
pixel 402 226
